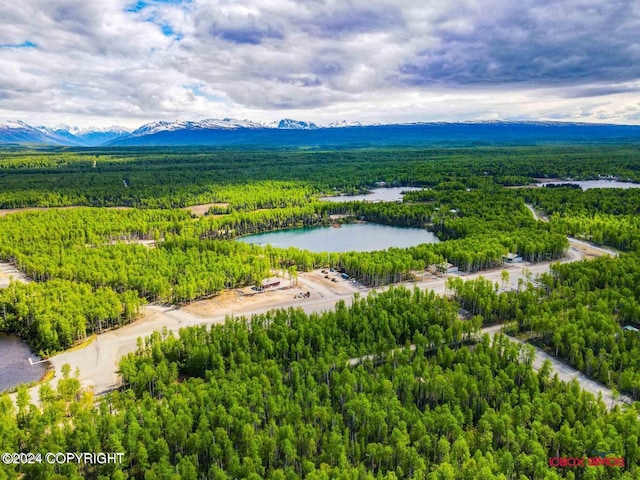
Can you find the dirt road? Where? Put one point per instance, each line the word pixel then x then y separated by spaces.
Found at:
pixel 538 216
pixel 98 361
pixel 8 272
pixel 565 372
pixel 589 250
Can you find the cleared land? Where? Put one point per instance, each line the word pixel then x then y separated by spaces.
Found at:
pixel 201 210
pixel 98 361
pixel 9 272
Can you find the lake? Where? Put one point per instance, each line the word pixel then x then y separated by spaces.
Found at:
pixel 587 184
pixel 14 363
pixel 359 237
pixel 392 194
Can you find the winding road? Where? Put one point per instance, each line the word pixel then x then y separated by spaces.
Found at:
pixel 97 362
pixel 565 372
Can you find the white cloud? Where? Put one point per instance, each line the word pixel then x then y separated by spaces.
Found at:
pixel 117 61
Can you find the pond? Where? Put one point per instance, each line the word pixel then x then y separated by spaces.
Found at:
pixel 14 363
pixel 587 184
pixel 392 194
pixel 359 237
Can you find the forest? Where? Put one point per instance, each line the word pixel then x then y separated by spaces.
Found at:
pixel 272 397
pixel 178 177
pixel 191 258
pixel 394 385
pixel 577 313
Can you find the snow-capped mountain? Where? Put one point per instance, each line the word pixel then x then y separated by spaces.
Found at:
pixel 84 131
pixel 230 123
pixel 90 136
pixel 22 133
pixel 290 133
pixel 343 124
pixel 288 124
pixel 15 131
pixel 185 132
pixel 207 124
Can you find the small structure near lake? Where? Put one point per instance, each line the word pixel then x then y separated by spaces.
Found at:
pixel 511 258
pixel 446 267
pixel 270 283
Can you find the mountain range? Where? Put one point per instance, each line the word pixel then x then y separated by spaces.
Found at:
pixel 17 132
pixel 301 134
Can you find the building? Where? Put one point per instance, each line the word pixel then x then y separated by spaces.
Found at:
pixel 446 268
pixel 511 258
pixel 272 282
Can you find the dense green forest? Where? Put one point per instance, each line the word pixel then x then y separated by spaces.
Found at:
pixel 165 178
pixel 578 313
pixel 55 314
pixel 170 255
pixel 192 258
pixel 274 396
pixel 602 216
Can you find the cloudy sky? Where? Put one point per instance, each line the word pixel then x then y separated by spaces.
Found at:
pixel 107 62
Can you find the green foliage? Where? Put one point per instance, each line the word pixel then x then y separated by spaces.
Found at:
pixel 337 394
pixel 53 315
pixel 176 177
pixel 577 314
pixel 272 397
pixel 602 216
pixel 195 258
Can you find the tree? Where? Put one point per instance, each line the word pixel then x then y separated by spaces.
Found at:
pixel 504 275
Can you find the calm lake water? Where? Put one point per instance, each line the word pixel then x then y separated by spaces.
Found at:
pixel 359 237
pixel 377 195
pixel 14 363
pixel 587 184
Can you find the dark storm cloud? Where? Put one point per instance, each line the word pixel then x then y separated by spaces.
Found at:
pixel 252 36
pixel 537 43
pixel 353 47
pixel 348 20
pixel 238 26
pixel 601 91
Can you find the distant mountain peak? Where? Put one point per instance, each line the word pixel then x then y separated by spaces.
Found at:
pixel 231 131
pixel 17 131
pixel 343 124
pixel 17 124
pixel 289 124
pixel 230 123
pixel 149 128
pixel 226 123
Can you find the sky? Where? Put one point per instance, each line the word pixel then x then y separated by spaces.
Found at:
pixel 106 62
